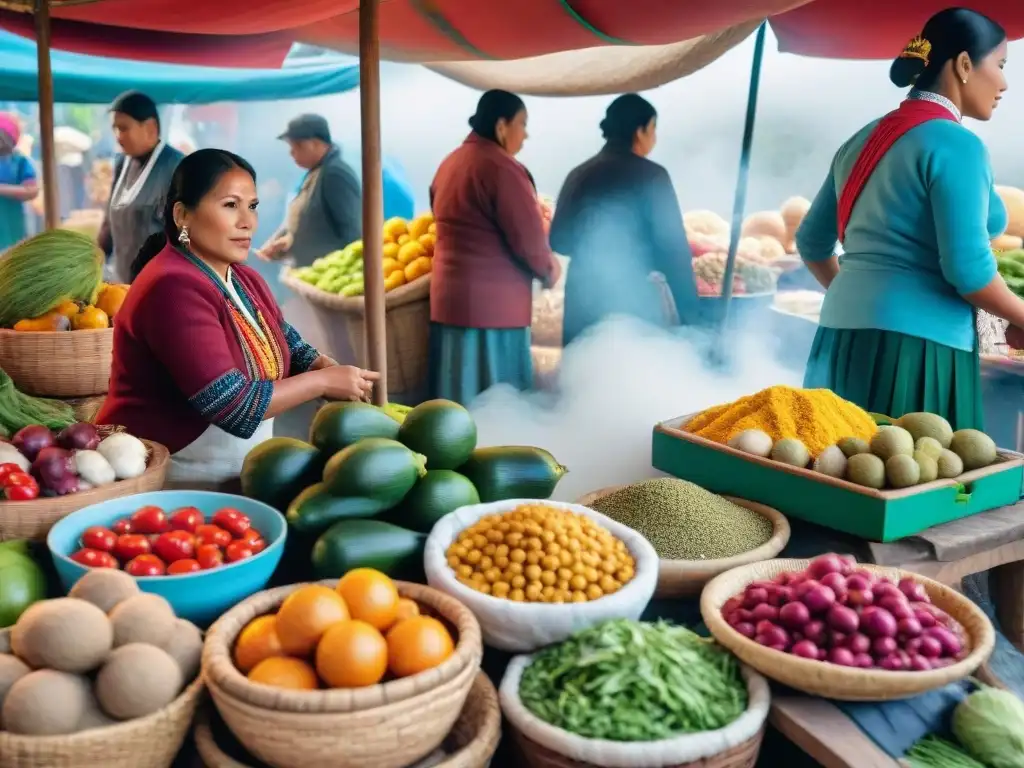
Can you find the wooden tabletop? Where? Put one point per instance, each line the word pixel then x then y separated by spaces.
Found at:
pixel 822 731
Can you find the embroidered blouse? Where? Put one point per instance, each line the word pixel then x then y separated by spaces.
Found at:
pixel 191 350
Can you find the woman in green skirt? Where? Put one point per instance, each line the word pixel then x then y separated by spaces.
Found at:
pixel 911 199
pixel 490 248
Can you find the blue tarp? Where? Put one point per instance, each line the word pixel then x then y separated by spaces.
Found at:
pixel 81 79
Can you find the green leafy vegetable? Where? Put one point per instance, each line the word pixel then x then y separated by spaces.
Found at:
pixel 629 681
pixel 990 725
pixel 18 410
pixel 933 752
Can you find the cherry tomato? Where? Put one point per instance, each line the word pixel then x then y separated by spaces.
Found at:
pixel 211 534
pixel 150 519
pixel 232 521
pixel 183 566
pixel 175 545
pixel 122 526
pixel 94 558
pixel 146 565
pixel 21 492
pixel 238 550
pixel 253 538
pixel 131 545
pixel 186 519
pixel 209 556
pixel 20 478
pixel 98 537
pixel 8 468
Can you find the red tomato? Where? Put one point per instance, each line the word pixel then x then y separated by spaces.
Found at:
pixel 146 565
pixel 131 545
pixel 252 538
pixel 98 537
pixel 175 545
pixel 186 519
pixel 8 468
pixel 94 558
pixel 209 556
pixel 21 492
pixel 238 550
pixel 211 534
pixel 21 479
pixel 232 521
pixel 122 526
pixel 183 566
pixel 150 519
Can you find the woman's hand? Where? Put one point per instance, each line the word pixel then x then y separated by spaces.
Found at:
pixel 1015 337
pixel 276 248
pixel 555 274
pixel 346 382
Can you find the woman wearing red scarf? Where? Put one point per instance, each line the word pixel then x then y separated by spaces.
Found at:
pixel 911 199
pixel 203 359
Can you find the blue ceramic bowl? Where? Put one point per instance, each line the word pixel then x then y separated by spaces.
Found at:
pixel 199 597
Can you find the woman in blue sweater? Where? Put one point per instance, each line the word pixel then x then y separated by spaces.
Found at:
pixel 911 199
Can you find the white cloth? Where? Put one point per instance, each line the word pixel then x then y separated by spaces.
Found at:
pixel 213 459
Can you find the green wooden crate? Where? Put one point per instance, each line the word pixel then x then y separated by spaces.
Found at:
pixel 864 512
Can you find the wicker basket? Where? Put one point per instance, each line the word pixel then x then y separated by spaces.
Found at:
pixel 831 680
pixel 686 578
pixel 471 743
pixel 390 725
pixel 33 519
pixel 58 363
pixel 149 742
pixel 407 323
pixel 735 746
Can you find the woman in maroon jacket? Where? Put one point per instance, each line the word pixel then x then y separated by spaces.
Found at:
pixel 490 248
pixel 203 359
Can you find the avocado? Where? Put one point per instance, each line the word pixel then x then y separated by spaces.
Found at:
pixel 338 425
pixel 314 510
pixel 276 470
pixel 374 468
pixel 513 472
pixel 441 430
pixel 436 494
pixel 374 544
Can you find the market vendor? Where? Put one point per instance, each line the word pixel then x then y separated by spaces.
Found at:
pixel 911 199
pixel 490 248
pixel 618 220
pixel 203 360
pixel 141 178
pixel 17 183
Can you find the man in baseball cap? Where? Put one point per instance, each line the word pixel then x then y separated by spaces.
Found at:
pixel 326 214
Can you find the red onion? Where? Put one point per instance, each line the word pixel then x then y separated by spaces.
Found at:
pixel 754 597
pixel 919 663
pixel 858 643
pixel 824 565
pixel 892 663
pixel 843 619
pixel 884 646
pixel 835 638
pixel 805 649
pixel 849 563
pixel 863 660
pixel 860 597
pixel 950 643
pixel 764 611
pixel 794 615
pixel 910 627
pixel 877 622
pixel 804 587
pixel 814 630
pixel 897 606
pixel 836 582
pixel 784 594
pixel 857 583
pixel 819 599
pixel 928 647
pixel 55 471
pixel 914 590
pixel 32 439
pixel 745 628
pixel 79 437
pixel 822 654
pixel 843 657
pixel 732 604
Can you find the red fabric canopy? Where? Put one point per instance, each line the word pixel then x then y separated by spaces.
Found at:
pixel 874 29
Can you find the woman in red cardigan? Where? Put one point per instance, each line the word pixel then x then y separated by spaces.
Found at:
pixel 490 248
pixel 203 359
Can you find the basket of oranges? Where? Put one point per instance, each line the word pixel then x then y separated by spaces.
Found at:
pixel 343 674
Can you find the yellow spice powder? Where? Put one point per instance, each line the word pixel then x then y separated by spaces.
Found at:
pixel 816 417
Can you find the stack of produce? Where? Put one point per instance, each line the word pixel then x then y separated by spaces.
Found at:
pixel 767 237
pixel 371 488
pixel 358 634
pixel 834 612
pixel 37 461
pixel 18 410
pixel 685 522
pixel 626 681
pixel 749 277
pixel 1011 267
pixel 52 282
pixel 22 583
pixel 108 653
pixel 100 181
pixel 538 553
pixel 152 542
pixel 408 253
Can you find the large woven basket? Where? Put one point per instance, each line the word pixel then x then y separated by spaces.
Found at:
pixel 471 743
pixel 390 725
pixel 34 519
pixel 831 680
pixel 686 578
pixel 407 327
pixel 149 742
pixel 58 363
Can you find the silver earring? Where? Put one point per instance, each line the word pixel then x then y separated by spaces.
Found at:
pixel 965 81
pixel 183 237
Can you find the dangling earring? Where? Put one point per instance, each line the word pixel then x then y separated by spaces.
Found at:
pixel 183 238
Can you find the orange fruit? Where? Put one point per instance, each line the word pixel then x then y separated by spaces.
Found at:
pixel 417 644
pixel 305 615
pixel 258 641
pixel 407 609
pixel 370 596
pixel 351 654
pixel 285 672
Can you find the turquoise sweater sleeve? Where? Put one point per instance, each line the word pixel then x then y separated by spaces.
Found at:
pixel 958 178
pixel 818 233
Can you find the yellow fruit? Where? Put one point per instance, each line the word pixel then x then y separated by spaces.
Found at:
pixel 407 609
pixel 90 318
pixel 352 654
pixel 428 241
pixel 68 308
pixel 432 229
pixel 417 644
pixel 370 596
pixel 420 225
pixel 111 298
pixel 396 227
pixel 390 265
pixel 403 239
pixel 258 641
pixel 418 268
pixel 390 250
pixel 411 251
pixel 394 280
pixel 305 615
pixel 284 672
pixel 388 239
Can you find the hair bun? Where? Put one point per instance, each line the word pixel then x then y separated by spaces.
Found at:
pixel 905 70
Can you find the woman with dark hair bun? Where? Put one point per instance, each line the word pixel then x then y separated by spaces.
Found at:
pixel 911 199
pixel 490 248
pixel 618 219
pixel 203 359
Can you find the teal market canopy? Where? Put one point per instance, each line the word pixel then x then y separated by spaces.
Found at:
pixel 83 79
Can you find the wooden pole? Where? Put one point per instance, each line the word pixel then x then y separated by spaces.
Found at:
pixel 49 155
pixel 373 194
